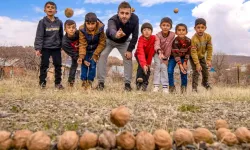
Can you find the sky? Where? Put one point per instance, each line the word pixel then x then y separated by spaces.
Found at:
pixel 228 21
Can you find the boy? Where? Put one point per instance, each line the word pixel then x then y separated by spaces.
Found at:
pixel 92 41
pixel 163 47
pixel 144 54
pixel 180 55
pixel 201 45
pixel 70 45
pixel 48 42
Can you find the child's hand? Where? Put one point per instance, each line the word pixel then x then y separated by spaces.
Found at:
pixel 95 58
pixel 185 66
pixel 38 53
pixel 86 63
pixel 182 69
pixel 79 61
pixel 198 68
pixel 145 69
pixel 209 65
pixel 161 56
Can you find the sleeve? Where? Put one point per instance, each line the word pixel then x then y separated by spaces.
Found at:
pixel 194 53
pixel 175 51
pixel 112 29
pixel 134 39
pixel 61 31
pixel 187 55
pixel 157 45
pixel 101 44
pixel 141 53
pixel 39 36
pixel 209 49
pixel 82 44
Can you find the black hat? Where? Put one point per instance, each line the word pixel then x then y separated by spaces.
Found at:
pixel 200 21
pixel 146 25
pixel 168 20
pixel 90 17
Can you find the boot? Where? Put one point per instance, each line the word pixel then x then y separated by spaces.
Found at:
pixel 172 89
pixel 183 89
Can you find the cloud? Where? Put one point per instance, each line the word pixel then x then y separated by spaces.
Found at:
pixel 148 3
pixel 102 1
pixel 16 32
pixel 228 23
pixel 79 11
pixel 38 9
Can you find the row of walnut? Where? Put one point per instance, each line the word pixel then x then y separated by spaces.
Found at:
pixel 144 140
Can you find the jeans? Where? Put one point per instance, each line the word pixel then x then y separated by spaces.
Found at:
pixel 171 66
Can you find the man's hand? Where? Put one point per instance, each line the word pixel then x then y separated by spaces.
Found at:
pixel 119 34
pixel 86 63
pixel 128 55
pixel 182 69
pixel 38 53
pixel 79 61
pixel 145 69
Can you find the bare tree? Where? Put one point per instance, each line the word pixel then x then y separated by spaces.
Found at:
pixel 220 65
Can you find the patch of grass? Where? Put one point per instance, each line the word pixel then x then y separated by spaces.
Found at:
pixel 188 108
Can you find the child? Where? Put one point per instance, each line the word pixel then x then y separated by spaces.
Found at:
pixel 201 45
pixel 48 42
pixel 92 41
pixel 163 46
pixel 70 45
pixel 180 55
pixel 144 54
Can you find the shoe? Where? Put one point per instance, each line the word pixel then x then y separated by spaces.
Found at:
pixel 207 86
pixel 144 87
pixel 127 87
pixel 42 85
pixel 194 89
pixel 59 86
pixel 100 86
pixel 88 85
pixel 70 84
pixel 84 83
pixel 138 86
pixel 156 89
pixel 165 90
pixel 183 89
pixel 172 89
pixel 139 80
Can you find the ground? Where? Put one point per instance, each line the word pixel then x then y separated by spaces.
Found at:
pixel 24 106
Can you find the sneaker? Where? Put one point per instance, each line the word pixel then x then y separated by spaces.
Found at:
pixel 88 85
pixel 139 80
pixel 84 83
pixel 172 89
pixel 183 89
pixel 194 89
pixel 127 87
pixel 138 86
pixel 42 85
pixel 165 90
pixel 70 84
pixel 100 86
pixel 59 86
pixel 144 87
pixel 156 89
pixel 207 86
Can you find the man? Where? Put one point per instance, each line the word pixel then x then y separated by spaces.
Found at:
pixel 120 27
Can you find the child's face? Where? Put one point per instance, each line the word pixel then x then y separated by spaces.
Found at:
pixel 165 27
pixel 200 29
pixel 50 10
pixel 91 26
pixel 146 32
pixel 181 31
pixel 70 30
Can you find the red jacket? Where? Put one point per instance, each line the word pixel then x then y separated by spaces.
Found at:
pixel 145 50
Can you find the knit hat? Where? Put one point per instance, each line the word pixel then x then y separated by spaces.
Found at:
pixel 200 21
pixel 146 25
pixel 167 19
pixel 69 22
pixel 90 17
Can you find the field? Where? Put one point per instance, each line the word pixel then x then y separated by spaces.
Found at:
pixel 23 105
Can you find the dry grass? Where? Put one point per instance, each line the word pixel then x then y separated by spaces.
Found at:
pixel 29 107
